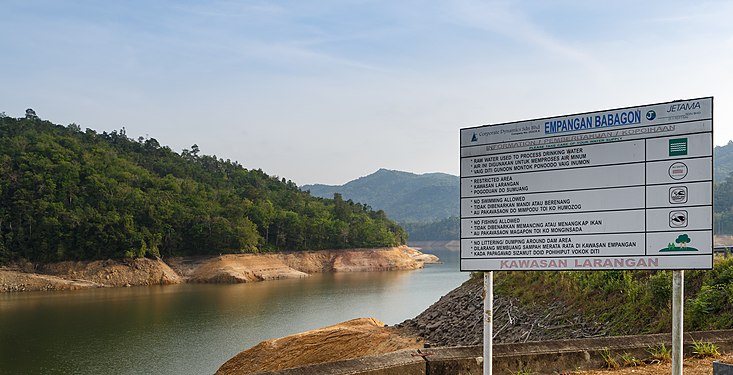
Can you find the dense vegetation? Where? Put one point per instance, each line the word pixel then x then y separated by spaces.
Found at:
pixel 68 194
pixel 405 197
pixel 640 300
pixel 425 205
pixel 443 230
pixel 723 206
pixel 723 161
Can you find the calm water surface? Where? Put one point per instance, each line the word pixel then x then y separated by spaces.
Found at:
pixel 194 329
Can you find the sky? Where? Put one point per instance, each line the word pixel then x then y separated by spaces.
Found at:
pixel 327 91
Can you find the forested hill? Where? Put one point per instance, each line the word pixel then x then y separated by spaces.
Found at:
pixel 68 194
pixel 405 196
pixel 723 160
pixel 426 205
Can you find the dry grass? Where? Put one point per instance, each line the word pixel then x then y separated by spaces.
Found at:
pixel 692 366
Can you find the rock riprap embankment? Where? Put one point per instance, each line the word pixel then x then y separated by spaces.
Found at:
pixel 457 320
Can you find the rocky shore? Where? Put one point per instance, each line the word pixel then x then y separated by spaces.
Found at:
pixel 229 268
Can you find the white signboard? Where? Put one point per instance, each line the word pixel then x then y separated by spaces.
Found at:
pixel 627 188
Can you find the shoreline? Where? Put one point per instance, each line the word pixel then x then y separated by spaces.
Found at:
pixel 452 245
pixel 227 268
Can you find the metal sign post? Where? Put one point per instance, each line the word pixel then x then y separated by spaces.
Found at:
pixel 678 279
pixel 488 320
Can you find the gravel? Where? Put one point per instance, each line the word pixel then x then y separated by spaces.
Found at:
pixel 456 320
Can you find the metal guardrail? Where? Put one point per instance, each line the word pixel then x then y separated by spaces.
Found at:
pixel 725 250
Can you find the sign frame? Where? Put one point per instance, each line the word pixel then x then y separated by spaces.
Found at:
pixel 671 141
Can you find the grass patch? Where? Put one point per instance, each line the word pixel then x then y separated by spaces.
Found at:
pixel 609 359
pixel 627 360
pixel 659 354
pixel 704 349
pixel 641 300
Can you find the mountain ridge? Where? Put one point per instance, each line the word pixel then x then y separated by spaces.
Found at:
pixel 427 204
pixel 410 197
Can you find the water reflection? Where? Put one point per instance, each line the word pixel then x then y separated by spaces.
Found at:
pixel 193 329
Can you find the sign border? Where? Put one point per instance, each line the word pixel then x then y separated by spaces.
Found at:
pixel 712 164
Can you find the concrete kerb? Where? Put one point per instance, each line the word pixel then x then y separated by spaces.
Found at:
pixel 402 362
pixel 548 357
pixel 722 368
pixel 560 356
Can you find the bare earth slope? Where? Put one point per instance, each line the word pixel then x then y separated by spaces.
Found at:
pixel 12 280
pixel 230 268
pixel 354 338
pixel 116 272
pixel 236 268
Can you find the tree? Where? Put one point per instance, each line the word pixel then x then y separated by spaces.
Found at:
pixel 683 239
pixel 30 114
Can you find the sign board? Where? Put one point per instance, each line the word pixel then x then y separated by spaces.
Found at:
pixel 627 188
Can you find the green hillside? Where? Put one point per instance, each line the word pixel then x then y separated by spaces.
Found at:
pixel 405 197
pixel 723 160
pixel 427 205
pixel 447 229
pixel 68 194
pixel 630 302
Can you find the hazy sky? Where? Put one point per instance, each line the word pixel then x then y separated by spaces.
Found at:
pixel 327 91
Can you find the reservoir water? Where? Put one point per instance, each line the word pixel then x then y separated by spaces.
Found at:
pixel 194 329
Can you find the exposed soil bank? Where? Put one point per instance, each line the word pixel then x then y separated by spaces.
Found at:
pixel 230 268
pixel 548 357
pixel 354 338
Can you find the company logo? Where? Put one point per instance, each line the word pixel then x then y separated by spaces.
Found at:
pixel 651 115
pixel 678 219
pixel 474 138
pixel 678 194
pixel 678 171
pixel 683 107
pixel 678 147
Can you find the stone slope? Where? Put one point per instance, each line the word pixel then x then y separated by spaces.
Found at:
pixel 456 320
